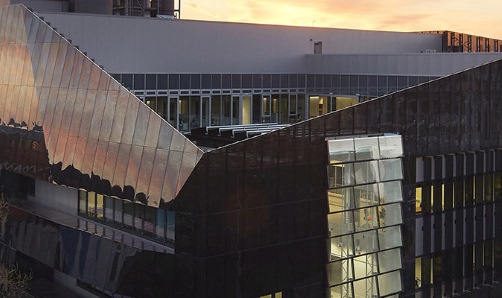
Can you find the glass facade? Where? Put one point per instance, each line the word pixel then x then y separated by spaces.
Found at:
pixel 281 214
pixel 154 223
pixel 365 217
pixel 98 135
pixel 286 99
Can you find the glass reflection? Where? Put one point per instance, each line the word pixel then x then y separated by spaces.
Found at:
pixel 341 175
pixel 341 151
pixel 389 283
pixel 78 105
pixel 362 223
pixel 366 172
pixel 366 149
pixel 390 146
pixel 390 169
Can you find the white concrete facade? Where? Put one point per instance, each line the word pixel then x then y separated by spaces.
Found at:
pixel 412 64
pixel 147 45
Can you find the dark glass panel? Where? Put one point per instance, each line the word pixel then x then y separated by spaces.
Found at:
pixel 392 84
pixel 206 81
pixel 151 82
pixel 332 124
pixel 276 81
pixel 174 82
pixel 161 81
pixel 116 76
pixel 269 168
pixel 363 87
pixel 195 81
pixel 236 81
pixel 284 81
pixel 291 81
pixel 382 85
pixel 235 176
pixel 127 80
pixel 422 118
pixel 387 113
pixel 215 235
pixel 226 81
pixel 438 278
pixel 360 118
pixel 345 85
pixel 335 84
pixel 301 81
pixel 184 82
pixel 311 83
pixel 412 81
pixel 266 78
pixel 216 185
pixel 354 85
pixel 247 81
pixel 216 81
pixel 402 82
pixel 257 81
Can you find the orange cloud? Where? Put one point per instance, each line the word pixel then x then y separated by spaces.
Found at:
pixel 397 15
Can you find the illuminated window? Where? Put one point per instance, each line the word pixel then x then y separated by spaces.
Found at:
pixel 365 216
pixel 418 201
pixel 418 273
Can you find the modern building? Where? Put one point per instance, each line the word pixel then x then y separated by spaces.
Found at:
pixel 206 159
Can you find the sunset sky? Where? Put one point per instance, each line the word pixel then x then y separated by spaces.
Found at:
pixel 483 17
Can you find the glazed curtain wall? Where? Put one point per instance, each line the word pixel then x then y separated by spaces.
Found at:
pixel 254 211
pixel 460 202
pixel 253 217
pixel 108 265
pixel 99 136
pixel 365 217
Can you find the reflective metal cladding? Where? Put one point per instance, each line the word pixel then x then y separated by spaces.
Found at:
pixel 98 135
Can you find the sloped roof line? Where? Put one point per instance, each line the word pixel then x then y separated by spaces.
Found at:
pixel 99 136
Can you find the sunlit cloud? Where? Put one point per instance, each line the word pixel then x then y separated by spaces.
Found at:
pixel 392 15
